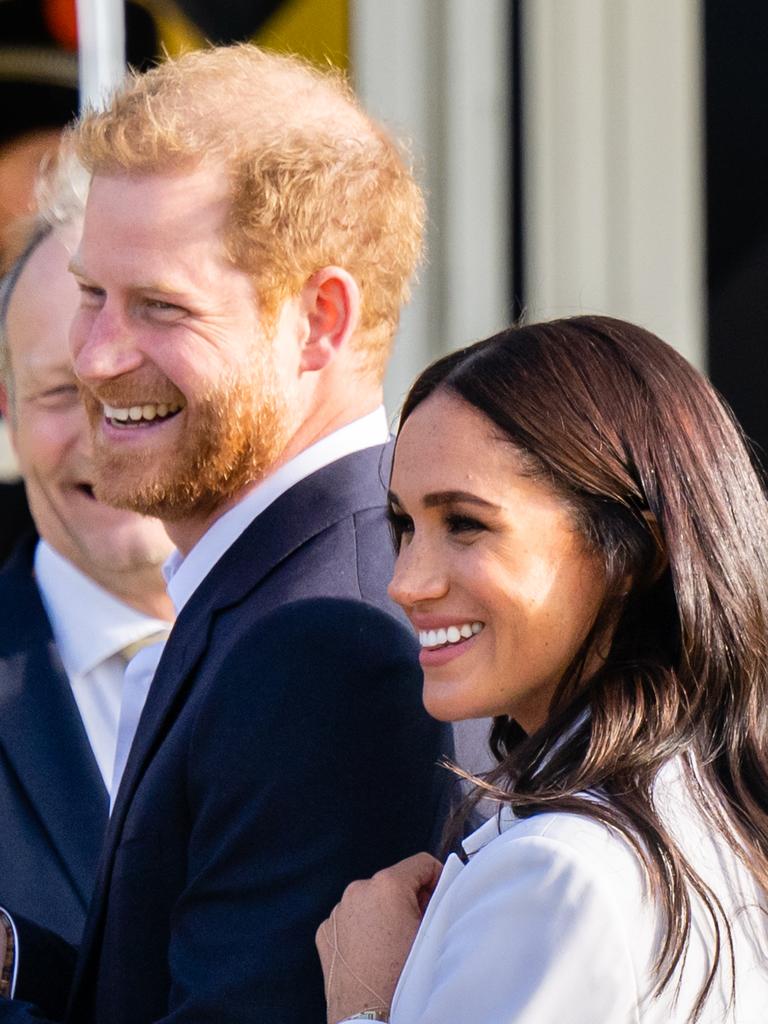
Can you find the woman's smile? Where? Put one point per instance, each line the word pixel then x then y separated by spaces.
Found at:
pixel 491 571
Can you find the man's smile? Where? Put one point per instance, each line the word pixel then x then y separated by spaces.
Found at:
pixel 136 415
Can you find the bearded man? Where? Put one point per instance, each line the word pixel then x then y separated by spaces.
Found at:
pixel 248 241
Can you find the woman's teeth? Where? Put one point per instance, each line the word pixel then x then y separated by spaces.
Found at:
pixel 141 413
pixel 449 635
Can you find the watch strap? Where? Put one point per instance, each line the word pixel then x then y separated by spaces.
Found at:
pixel 380 1015
pixel 8 966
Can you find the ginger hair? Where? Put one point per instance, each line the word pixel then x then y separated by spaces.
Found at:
pixel 314 181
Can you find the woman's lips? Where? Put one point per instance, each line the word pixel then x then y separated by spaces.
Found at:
pixel 433 657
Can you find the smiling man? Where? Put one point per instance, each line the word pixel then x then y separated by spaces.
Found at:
pixel 193 398
pixel 71 601
pixel 248 242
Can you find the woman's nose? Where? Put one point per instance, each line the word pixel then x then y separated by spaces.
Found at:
pixel 419 576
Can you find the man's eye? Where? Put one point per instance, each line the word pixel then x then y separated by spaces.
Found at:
pixel 164 310
pixel 90 295
pixel 65 395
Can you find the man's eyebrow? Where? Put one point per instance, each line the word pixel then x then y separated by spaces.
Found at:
pixel 160 287
pixel 436 499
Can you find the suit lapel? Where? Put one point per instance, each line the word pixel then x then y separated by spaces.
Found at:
pixel 41 731
pixel 342 489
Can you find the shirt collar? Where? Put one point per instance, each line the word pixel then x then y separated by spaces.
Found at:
pixel 499 822
pixel 502 819
pixel 184 575
pixel 89 623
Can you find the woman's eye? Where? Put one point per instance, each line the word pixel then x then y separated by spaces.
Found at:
pixel 401 525
pixel 463 524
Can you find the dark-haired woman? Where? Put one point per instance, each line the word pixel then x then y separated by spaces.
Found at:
pixel 583 550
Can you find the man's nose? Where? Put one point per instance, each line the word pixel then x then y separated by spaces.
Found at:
pixel 419 575
pixel 102 345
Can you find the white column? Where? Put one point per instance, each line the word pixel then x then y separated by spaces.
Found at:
pixel 613 151
pixel 101 49
pixel 436 71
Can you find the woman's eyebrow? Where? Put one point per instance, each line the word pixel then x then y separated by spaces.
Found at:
pixel 436 499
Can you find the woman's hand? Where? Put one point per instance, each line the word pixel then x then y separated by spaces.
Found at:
pixel 365 942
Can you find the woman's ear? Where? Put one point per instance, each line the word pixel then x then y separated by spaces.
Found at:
pixel 331 303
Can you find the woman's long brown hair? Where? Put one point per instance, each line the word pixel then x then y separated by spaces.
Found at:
pixel 662 486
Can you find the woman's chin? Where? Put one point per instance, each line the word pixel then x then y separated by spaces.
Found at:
pixel 446 706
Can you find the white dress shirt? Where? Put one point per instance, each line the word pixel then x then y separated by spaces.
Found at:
pixel 185 574
pixel 90 627
pixel 551 920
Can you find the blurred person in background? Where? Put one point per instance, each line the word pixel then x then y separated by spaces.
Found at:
pixel 70 601
pixel 38 97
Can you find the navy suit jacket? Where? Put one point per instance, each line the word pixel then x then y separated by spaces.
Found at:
pixel 53 803
pixel 283 752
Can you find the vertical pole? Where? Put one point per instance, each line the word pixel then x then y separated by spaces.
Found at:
pixel 101 35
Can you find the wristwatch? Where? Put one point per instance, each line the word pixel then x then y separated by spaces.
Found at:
pixel 372 1015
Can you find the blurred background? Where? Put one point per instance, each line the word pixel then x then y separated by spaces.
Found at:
pixel 579 155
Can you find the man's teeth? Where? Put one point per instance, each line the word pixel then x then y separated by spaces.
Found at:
pixel 450 635
pixel 139 413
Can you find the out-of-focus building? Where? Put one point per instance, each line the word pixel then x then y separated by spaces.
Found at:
pixel 578 155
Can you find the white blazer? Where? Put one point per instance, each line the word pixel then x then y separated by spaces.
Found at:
pixel 550 922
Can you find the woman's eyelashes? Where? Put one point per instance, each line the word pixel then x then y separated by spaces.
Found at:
pixel 455 524
pixel 400 524
pixel 462 524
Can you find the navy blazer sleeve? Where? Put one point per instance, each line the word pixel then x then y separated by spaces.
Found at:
pixel 332 777
pixel 311 763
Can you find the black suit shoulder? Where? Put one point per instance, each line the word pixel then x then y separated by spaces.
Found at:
pixel 52 799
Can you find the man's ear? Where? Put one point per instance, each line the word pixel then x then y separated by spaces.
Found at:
pixel 331 303
pixel 6 409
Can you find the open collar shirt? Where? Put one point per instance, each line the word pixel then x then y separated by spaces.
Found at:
pixel 184 574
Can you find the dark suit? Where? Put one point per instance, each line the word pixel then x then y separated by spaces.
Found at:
pixel 15 519
pixel 283 751
pixel 53 804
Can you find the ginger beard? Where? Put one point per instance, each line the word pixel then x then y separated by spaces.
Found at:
pixel 233 436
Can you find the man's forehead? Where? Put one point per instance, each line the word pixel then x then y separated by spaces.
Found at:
pixel 163 196
pixel 37 329
pixel 164 220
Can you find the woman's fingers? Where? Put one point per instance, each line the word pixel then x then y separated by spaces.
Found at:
pixel 366 940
